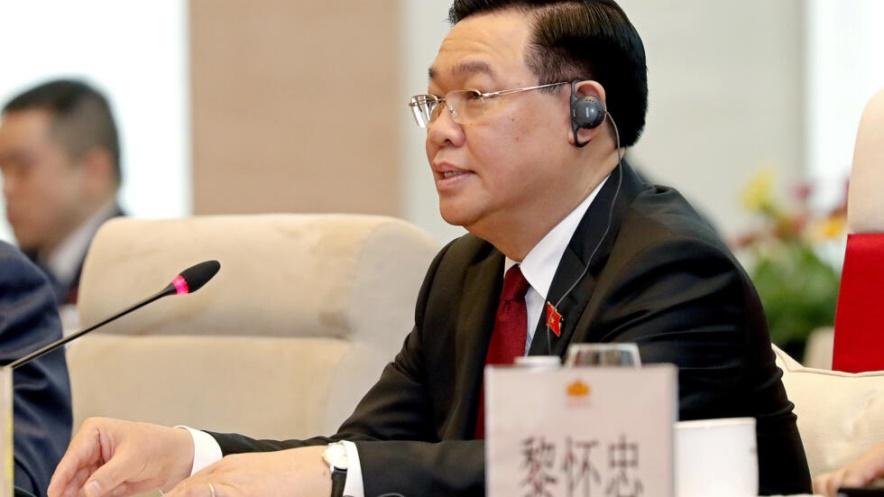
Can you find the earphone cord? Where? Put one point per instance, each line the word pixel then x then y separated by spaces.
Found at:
pixel 620 155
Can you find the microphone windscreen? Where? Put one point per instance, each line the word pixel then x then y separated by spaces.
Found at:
pixel 196 276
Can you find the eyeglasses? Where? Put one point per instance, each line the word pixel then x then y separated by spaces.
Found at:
pixel 465 106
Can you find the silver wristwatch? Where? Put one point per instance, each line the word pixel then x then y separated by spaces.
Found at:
pixel 335 456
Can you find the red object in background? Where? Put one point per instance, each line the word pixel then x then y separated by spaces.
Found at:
pixel 859 319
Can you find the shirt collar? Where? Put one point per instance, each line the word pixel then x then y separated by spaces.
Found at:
pixel 540 264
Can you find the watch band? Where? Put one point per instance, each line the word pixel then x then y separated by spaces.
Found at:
pixel 338 478
pixel 335 456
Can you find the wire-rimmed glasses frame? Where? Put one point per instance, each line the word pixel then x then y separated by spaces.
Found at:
pixel 463 105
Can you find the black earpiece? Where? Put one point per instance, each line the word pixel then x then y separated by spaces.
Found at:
pixel 587 112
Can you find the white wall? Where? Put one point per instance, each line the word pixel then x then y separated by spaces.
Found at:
pixel 726 96
pixel 137 53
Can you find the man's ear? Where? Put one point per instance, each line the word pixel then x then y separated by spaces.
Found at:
pixel 98 171
pixel 583 89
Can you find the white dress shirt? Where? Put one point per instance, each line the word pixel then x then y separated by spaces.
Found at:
pixel 540 264
pixel 539 267
pixel 64 261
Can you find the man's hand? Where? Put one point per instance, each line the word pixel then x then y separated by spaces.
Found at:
pixel 288 473
pixel 862 471
pixel 109 457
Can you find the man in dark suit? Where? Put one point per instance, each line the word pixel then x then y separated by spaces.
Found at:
pixel 566 245
pixel 60 160
pixel 41 390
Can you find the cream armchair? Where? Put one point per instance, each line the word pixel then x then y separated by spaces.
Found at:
pixel 840 415
pixel 297 325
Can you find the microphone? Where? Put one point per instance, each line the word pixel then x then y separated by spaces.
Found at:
pixel 192 278
pixel 189 281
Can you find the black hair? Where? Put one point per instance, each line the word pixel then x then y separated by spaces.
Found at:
pixel 582 39
pixel 81 117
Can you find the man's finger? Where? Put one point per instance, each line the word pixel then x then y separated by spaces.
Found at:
pixel 78 480
pixel 83 452
pixel 108 477
pixel 819 484
pixel 141 489
pixel 834 483
pixel 854 479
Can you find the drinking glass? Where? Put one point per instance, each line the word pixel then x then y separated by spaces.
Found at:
pixel 624 355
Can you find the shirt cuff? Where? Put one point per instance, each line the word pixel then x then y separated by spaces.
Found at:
pixel 206 450
pixel 353 486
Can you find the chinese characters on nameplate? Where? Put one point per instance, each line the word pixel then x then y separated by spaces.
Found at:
pixel 580 432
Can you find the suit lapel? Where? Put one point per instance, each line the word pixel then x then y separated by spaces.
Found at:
pixel 71 293
pixel 474 325
pixel 484 278
pixel 590 240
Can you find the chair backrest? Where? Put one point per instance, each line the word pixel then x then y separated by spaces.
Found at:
pixel 296 326
pixel 818 350
pixel 859 334
pixel 840 415
pixel 859 319
pixel 865 200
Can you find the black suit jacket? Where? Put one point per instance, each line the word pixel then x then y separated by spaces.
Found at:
pixel 660 278
pixel 41 389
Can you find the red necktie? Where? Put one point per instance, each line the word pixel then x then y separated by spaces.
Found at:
pixel 510 331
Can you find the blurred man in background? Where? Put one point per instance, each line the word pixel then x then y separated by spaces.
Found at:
pixel 60 159
pixel 41 389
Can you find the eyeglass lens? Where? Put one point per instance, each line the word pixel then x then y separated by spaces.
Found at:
pixel 464 105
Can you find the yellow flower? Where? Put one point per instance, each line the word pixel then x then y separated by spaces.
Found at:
pixel 828 228
pixel 758 194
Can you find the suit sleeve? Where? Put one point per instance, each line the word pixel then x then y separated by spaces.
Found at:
pixel 686 303
pixel 41 389
pixel 399 450
pixel 690 304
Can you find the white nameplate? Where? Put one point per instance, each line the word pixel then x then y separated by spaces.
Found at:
pixel 580 432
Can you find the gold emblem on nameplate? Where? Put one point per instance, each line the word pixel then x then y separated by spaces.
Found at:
pixel 578 390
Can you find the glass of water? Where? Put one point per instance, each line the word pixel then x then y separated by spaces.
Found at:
pixel 623 355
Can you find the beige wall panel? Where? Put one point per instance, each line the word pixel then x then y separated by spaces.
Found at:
pixel 295 106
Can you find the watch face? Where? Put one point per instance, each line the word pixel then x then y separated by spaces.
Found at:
pixel 336 456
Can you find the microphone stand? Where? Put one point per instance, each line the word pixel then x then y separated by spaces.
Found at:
pixel 188 281
pixel 170 290
pixel 7 488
